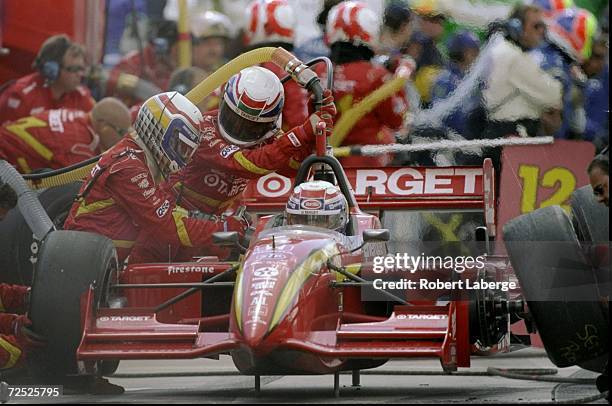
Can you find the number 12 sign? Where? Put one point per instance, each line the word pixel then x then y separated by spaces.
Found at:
pixel 540 176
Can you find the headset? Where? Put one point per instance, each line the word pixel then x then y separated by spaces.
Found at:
pixel 49 59
pixel 514 29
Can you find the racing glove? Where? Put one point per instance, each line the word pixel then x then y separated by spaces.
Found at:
pixel 327 113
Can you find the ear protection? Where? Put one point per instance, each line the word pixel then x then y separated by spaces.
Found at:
pixel 514 29
pixel 49 59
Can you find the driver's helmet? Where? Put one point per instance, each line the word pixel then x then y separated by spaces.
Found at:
pixel 250 110
pixel 317 203
pixel 169 125
pixel 550 7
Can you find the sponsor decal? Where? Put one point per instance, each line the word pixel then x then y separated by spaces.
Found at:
pixel 173 269
pixel 125 318
pixel 138 177
pixel 37 110
pixel 294 139
pixel 144 184
pixel 273 185
pixel 312 204
pixel 55 121
pixel 163 209
pixel 148 193
pixel 229 150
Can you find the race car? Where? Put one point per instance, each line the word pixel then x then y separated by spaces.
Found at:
pixel 297 300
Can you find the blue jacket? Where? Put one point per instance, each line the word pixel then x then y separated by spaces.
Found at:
pixel 597 105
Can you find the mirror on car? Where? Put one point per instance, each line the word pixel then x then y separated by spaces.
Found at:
pixel 376 235
pixel 225 238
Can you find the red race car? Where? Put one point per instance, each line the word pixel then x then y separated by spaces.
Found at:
pixel 303 300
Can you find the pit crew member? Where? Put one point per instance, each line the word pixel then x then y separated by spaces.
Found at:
pixel 241 141
pixel 58 138
pixel 121 198
pixel 60 67
pixel 352 30
pixel 271 24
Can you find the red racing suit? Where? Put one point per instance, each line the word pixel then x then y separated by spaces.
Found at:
pixel 28 96
pixel 51 139
pixel 12 300
pixel 123 200
pixel 219 172
pixel 352 82
pixel 295 110
pixel 148 67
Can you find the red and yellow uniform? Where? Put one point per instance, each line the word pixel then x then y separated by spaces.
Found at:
pixel 121 200
pixel 295 110
pixel 12 300
pixel 219 171
pixel 52 139
pixel 352 82
pixel 28 96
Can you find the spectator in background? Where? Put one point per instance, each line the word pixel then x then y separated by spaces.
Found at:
pixel 516 99
pixel 60 67
pixel 423 47
pixel 210 32
pixel 352 30
pixel 463 49
pixel 155 64
pixel 58 138
pixel 271 24
pixel 519 97
pixel 396 28
pixel 118 13
pixel 596 94
pixel 568 42
pixel 315 47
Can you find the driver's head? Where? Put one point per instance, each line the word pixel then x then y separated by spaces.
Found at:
pixel 317 203
pixel 169 125
pixel 250 110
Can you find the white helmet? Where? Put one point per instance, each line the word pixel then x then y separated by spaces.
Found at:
pixel 250 110
pixel 317 203
pixel 353 22
pixel 210 24
pixel 269 21
pixel 169 125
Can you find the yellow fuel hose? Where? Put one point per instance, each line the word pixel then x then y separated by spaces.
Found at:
pixel 367 104
pixel 279 56
pixel 184 42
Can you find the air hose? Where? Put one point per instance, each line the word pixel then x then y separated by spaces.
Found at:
pixel 355 113
pixel 34 214
pixel 284 59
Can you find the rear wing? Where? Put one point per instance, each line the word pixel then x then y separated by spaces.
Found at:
pixel 393 188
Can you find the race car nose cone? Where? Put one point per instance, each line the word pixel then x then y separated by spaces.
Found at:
pixel 254 340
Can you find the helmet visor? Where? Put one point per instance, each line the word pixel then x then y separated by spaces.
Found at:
pixel 331 222
pixel 180 142
pixel 241 130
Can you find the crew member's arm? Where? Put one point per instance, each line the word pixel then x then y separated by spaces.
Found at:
pixel 285 153
pixel 543 90
pixel 154 211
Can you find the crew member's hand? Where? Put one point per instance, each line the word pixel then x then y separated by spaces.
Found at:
pixel 327 113
pixel 406 66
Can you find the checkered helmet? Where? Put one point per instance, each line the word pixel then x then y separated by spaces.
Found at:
pixel 169 125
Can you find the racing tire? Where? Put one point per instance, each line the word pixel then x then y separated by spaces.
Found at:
pixel 18 247
pixel 590 218
pixel 69 262
pixel 573 332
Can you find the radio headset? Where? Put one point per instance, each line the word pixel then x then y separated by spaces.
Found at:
pixel 49 60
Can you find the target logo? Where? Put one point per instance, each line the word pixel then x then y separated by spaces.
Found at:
pixel 211 180
pixel 273 185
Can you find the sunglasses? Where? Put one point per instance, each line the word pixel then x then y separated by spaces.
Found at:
pixel 75 68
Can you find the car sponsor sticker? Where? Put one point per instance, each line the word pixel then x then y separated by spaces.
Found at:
pixel 163 209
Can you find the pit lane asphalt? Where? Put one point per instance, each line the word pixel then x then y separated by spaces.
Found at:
pixel 230 388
